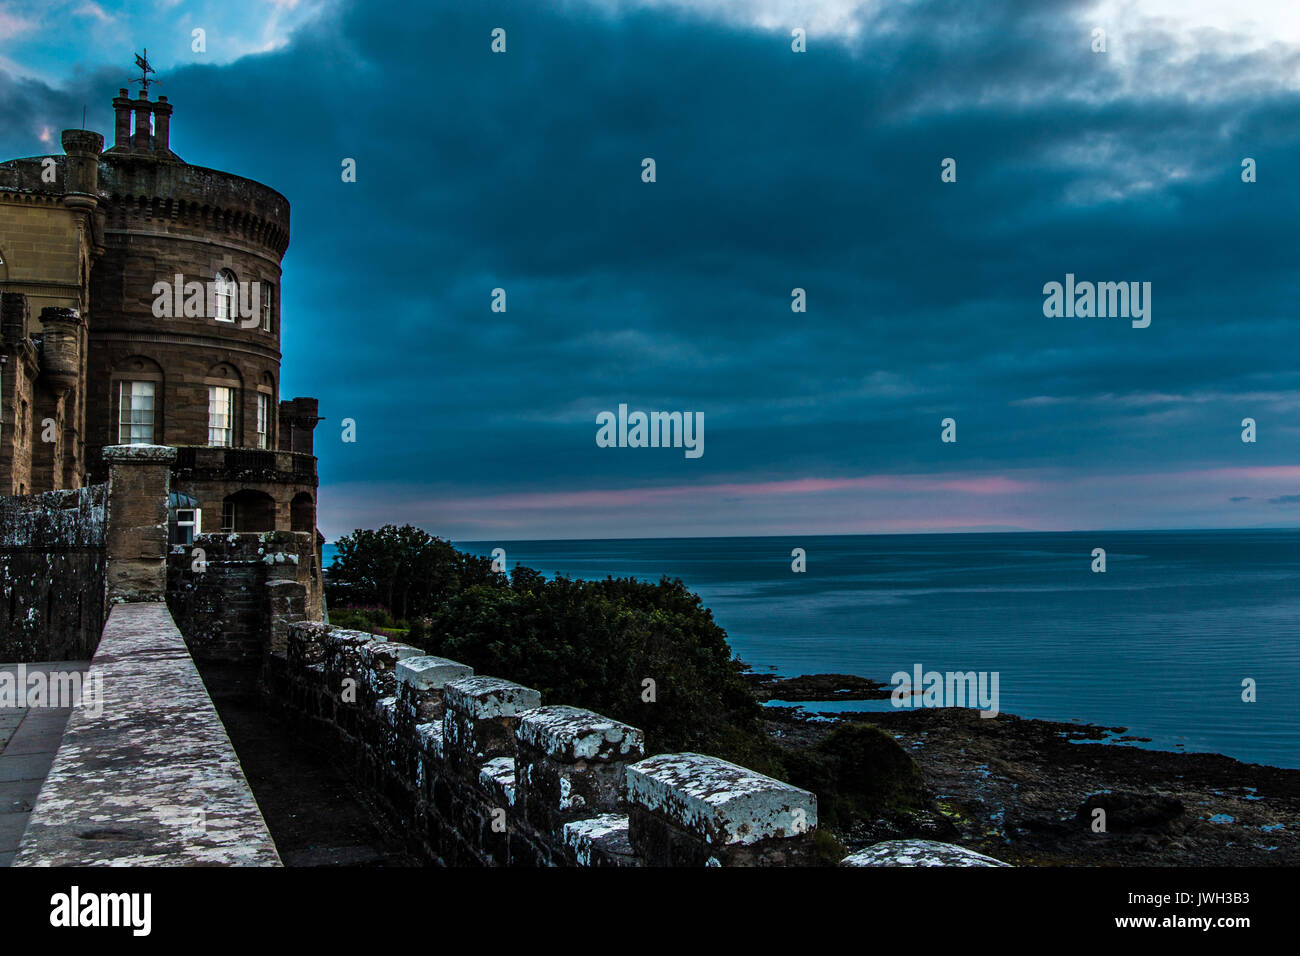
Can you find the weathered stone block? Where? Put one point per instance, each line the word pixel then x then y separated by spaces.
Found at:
pixel 570 734
pixel 379 662
pixel 600 841
pixel 497 777
pixel 693 810
pixel 420 683
pixel 343 656
pixel 480 719
pixel 306 644
pixel 571 763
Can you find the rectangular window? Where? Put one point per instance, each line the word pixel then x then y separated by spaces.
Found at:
pixel 268 293
pixel 263 420
pixel 188 524
pixel 227 516
pixel 221 415
pixel 135 413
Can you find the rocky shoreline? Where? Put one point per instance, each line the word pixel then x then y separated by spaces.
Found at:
pixel 1025 791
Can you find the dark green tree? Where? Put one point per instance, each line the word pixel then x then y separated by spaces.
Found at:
pixel 403 569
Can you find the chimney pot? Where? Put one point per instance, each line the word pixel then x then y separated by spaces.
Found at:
pixel 122 121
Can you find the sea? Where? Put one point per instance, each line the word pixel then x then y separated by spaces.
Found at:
pixel 1167 642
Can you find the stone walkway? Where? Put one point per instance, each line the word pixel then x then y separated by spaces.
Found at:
pixel 29 738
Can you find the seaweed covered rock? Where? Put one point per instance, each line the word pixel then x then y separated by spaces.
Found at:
pixel 858 771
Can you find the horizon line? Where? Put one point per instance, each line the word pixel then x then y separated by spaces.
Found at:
pixel 861 534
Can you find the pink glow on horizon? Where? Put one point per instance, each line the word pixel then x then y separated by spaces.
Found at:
pixel 623 497
pixel 1035 500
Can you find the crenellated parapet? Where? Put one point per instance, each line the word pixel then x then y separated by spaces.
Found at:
pixel 480 772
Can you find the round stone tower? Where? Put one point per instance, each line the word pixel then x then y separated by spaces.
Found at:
pixel 185 339
pixel 142 307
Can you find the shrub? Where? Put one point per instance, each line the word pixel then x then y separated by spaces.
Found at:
pixel 857 771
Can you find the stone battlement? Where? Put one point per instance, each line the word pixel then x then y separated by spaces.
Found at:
pixel 479 771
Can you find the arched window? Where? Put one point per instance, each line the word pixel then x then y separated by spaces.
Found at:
pixel 302 513
pixel 248 510
pixel 225 292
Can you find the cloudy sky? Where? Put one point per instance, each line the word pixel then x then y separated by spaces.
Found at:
pixel 775 170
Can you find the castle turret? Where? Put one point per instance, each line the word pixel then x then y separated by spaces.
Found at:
pixel 82 165
pixel 60 348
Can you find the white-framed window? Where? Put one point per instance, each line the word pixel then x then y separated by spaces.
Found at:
pixel 225 291
pixel 268 296
pixel 135 413
pixel 221 415
pixel 263 420
pixel 227 517
pixel 189 522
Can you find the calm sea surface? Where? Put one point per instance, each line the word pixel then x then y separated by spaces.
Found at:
pixel 1159 644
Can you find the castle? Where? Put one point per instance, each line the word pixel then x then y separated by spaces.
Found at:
pixel 91 242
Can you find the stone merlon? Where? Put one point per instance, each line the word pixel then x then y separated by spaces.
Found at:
pixel 430 673
pixel 725 803
pixel 570 734
pixel 482 698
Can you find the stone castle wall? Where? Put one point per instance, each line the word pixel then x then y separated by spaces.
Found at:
pixel 52 566
pixel 232 595
pixel 478 773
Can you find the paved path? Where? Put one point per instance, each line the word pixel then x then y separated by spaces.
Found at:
pixel 29 738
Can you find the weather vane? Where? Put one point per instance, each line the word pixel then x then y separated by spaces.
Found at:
pixel 145 69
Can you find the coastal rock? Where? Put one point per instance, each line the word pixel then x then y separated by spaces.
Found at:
pixel 817 687
pixel 918 853
pixel 1127 810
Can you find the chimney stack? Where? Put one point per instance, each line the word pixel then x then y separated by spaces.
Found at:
pixel 143 135
pixel 122 120
pixel 162 113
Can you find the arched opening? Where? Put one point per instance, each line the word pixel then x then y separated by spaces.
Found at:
pixel 225 289
pixel 248 510
pixel 302 512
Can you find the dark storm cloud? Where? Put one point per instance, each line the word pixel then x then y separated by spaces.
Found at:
pixel 821 171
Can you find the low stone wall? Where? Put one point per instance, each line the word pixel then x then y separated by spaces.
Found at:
pixel 145 774
pixel 52 561
pixel 478 772
pixel 232 593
